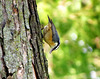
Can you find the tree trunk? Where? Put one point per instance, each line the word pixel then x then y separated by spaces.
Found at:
pixel 21 49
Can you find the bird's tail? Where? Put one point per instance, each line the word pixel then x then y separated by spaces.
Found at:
pixel 49 19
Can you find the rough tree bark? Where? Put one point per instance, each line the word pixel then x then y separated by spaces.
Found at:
pixel 21 49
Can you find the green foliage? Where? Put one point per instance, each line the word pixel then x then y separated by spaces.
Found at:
pixel 78 24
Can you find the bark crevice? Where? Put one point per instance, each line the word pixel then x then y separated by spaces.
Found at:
pixel 3 50
pixel 3 23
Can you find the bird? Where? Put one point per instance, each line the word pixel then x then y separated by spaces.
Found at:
pixel 51 36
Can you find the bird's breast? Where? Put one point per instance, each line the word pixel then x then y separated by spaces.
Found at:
pixel 48 36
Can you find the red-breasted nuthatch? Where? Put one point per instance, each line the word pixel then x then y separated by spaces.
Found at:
pixel 50 35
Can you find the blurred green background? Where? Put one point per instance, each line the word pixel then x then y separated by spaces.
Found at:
pixel 78 25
